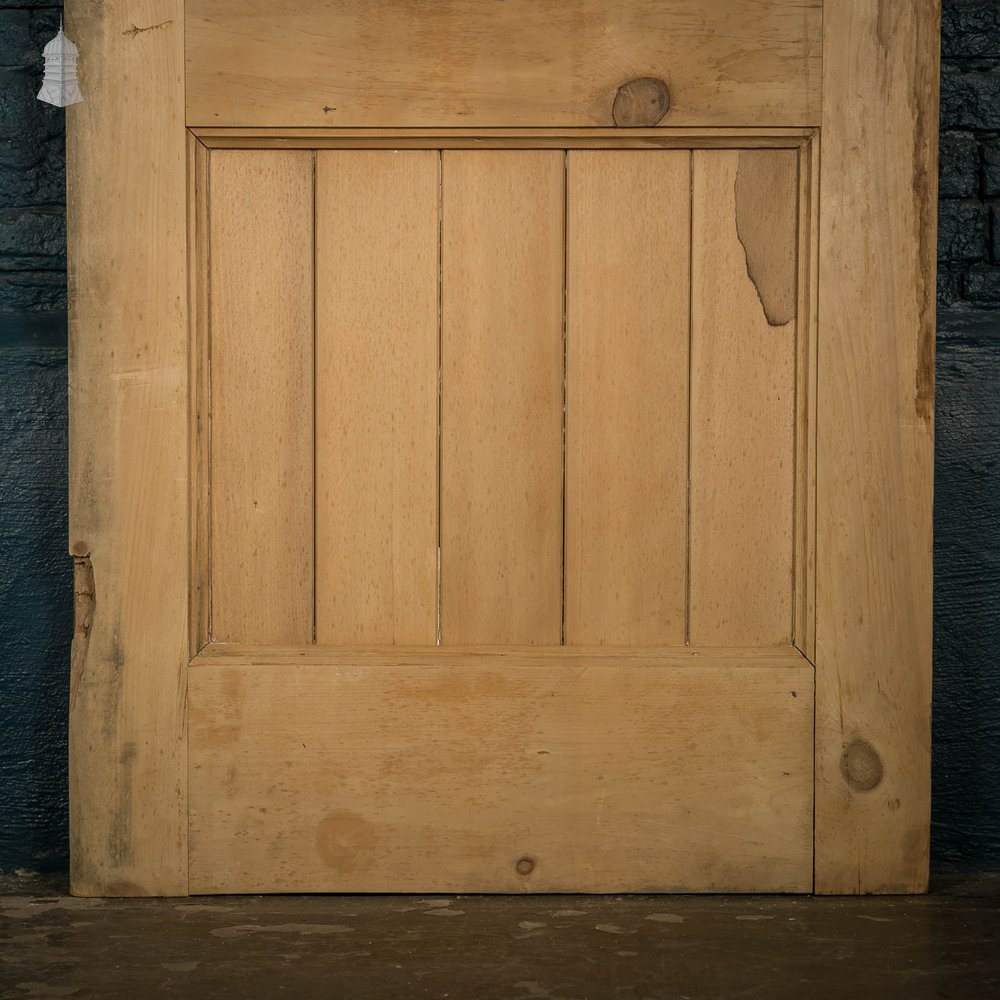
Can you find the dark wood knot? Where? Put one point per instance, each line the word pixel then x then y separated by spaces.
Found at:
pixel 861 766
pixel 640 103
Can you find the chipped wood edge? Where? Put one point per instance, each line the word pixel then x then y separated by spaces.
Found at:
pixel 875 435
pixel 128 460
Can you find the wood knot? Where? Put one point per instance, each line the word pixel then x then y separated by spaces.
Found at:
pixel 640 103
pixel 861 766
pixel 525 866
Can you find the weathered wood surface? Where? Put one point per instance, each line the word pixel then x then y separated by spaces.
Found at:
pixel 531 63
pixel 876 441
pixel 128 503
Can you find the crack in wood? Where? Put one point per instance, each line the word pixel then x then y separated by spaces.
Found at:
pixel 84 599
pixel 136 30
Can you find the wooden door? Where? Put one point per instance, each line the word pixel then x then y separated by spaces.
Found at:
pixel 501 456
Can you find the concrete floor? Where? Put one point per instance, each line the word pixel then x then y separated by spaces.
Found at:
pixel 944 946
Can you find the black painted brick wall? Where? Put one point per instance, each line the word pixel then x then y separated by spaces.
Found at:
pixel 969 246
pixel 966 799
pixel 35 572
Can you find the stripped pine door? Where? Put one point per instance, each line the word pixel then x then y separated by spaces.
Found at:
pixel 471 479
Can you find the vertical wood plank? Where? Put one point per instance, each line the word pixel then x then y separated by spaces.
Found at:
pixel 744 220
pixel 876 434
pixel 502 397
pixel 376 396
pixel 128 514
pixel 628 273
pixel 261 276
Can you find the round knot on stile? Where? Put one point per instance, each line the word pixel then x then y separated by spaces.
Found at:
pixel 525 866
pixel 861 766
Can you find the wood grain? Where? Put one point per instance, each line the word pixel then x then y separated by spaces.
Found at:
pixel 577 658
pixel 876 441
pixel 683 137
pixel 502 397
pixel 536 63
pixel 744 219
pixel 128 463
pixel 606 778
pixel 261 317
pixel 376 396
pixel 806 394
pixel 199 397
pixel 628 275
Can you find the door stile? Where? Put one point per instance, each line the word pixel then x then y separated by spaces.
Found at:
pixel 876 444
pixel 129 453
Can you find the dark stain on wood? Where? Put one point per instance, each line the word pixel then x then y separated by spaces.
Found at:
pixel 134 29
pixel 83 617
pixel 925 107
pixel 861 766
pixel 640 103
pixel 766 226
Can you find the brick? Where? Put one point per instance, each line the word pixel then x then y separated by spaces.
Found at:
pixel 29 292
pixel 970 29
pixel 963 231
pixel 32 144
pixel 991 170
pixel 33 173
pixel 949 284
pixel 24 35
pixel 971 100
pixel 33 240
pixel 981 285
pixel 959 165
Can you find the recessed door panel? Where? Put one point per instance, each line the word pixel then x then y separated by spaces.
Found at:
pixel 540 415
